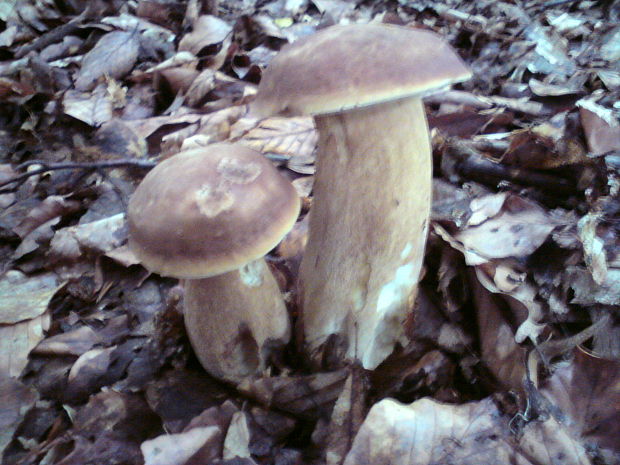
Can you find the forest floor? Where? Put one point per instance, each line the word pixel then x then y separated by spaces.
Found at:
pixel 514 353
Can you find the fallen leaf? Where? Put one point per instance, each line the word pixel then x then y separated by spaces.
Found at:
pixel 302 395
pixel 237 441
pixel 114 55
pixel 17 399
pixel 93 108
pixel 428 432
pixel 176 449
pixel 207 30
pixel 23 297
pixel 587 390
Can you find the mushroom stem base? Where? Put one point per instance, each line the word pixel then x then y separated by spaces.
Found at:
pixel 236 320
pixel 368 228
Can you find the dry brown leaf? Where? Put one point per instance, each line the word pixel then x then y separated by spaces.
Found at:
pixel 207 30
pixel 51 207
pixel 516 231
pixel 177 449
pixel 498 348
pixel 428 432
pixel 17 341
pixel 16 399
pixel 301 395
pixel 179 79
pixel 99 237
pixel 593 246
pixel 201 85
pixel 74 342
pixel 292 138
pixel 347 417
pixel 114 55
pixel 116 139
pixel 588 292
pixel 587 390
pixel 237 441
pixel 550 441
pixel 601 127
pixel 218 417
pixel 23 297
pixel 93 108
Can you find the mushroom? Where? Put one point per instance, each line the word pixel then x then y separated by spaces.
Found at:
pixel 209 216
pixel 368 224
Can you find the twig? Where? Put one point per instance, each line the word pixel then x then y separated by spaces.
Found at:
pixel 45 167
pixel 483 102
pixel 55 35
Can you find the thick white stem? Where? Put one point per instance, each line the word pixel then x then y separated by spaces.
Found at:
pixel 368 228
pixel 236 320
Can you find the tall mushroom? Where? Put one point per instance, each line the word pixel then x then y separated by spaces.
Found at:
pixel 363 84
pixel 209 216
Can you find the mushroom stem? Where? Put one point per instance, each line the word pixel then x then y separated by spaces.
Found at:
pixel 368 228
pixel 235 320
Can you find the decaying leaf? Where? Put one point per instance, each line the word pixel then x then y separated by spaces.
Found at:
pixel 93 108
pixel 98 237
pixel 347 417
pixel 601 127
pixel 516 231
pixel 428 432
pixel 23 298
pixel 176 449
pixel 114 55
pixel 587 390
pixel 292 138
pixel 17 341
pixel 237 441
pixel 207 30
pixel 17 399
pixel 301 395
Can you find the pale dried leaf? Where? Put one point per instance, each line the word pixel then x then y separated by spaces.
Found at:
pixel 588 292
pixel 123 255
pixel 16 399
pixel 93 108
pixel 601 127
pixel 237 441
pixel 207 30
pixel 347 417
pixel 302 395
pixel 176 449
pixel 23 297
pixel 499 350
pixel 551 442
pixel 428 432
pixel 593 247
pixel 293 138
pixel 517 231
pixel 50 207
pixel 98 237
pixel 74 342
pixel 201 85
pixel 18 340
pixel 114 55
pixel 587 390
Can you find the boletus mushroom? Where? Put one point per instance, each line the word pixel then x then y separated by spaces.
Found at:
pixel 368 224
pixel 209 216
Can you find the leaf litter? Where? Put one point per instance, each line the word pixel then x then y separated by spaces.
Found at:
pixel 514 347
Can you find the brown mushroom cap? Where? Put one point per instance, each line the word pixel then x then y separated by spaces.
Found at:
pixel 209 211
pixel 344 67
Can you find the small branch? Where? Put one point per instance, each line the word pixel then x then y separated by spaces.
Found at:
pixel 459 97
pixel 45 167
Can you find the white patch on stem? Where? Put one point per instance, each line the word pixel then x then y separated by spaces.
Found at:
pixel 252 274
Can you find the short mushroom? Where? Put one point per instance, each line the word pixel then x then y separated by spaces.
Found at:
pixel 363 84
pixel 209 216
